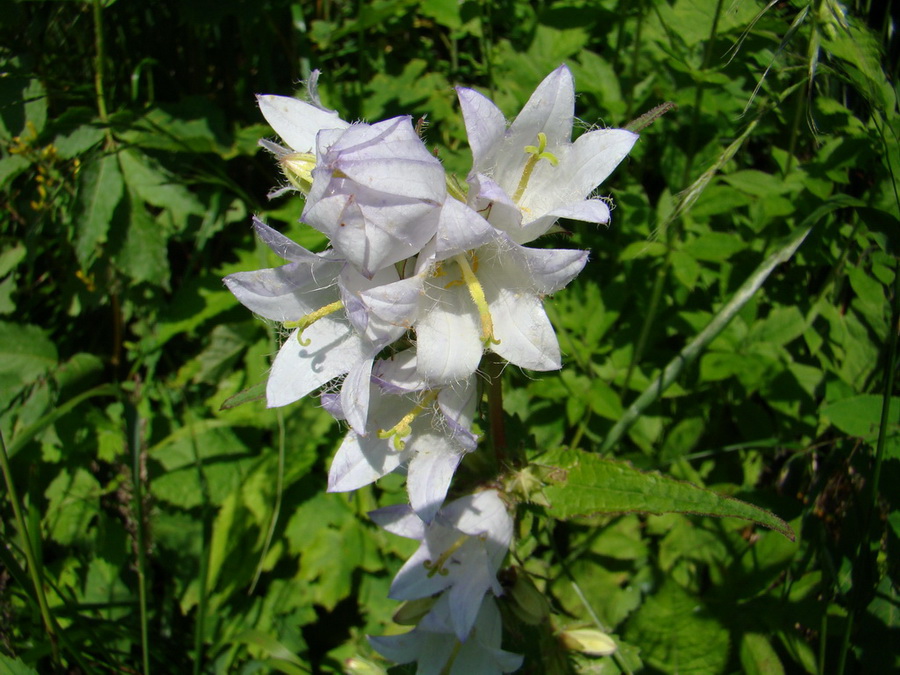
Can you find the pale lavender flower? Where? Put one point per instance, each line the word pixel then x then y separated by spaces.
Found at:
pixel 438 650
pixel 460 552
pixel 410 426
pixel 527 176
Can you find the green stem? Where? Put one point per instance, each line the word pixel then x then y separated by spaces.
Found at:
pixel 698 97
pixel 138 483
pixel 30 558
pixel 99 68
pixel 203 573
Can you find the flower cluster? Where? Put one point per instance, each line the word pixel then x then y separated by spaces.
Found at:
pixel 423 274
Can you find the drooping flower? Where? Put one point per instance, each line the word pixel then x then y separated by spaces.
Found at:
pixel 437 650
pixel 376 192
pixel 317 295
pixel 297 123
pixel 426 431
pixel 527 176
pixel 460 552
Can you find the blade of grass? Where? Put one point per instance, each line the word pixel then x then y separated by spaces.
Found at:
pixel 693 349
pixel 276 511
pixel 33 570
pixel 137 471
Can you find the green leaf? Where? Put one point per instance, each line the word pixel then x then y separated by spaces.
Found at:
pixel 255 393
pixel 154 185
pixel 100 190
pixel 144 254
pixel 783 325
pixel 271 647
pixel 26 353
pixel 74 501
pixel 581 484
pixel 10 167
pixel 714 246
pixel 10 666
pixel 677 634
pixel 758 657
pixel 861 416
pixel 79 141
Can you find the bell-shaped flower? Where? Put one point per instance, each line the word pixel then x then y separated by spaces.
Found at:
pixel 525 177
pixel 376 192
pixel 487 297
pixel 317 295
pixel 426 431
pixel 437 650
pixel 297 123
pixel 460 551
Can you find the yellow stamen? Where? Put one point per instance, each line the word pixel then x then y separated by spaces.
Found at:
pixel 437 567
pixel 477 294
pixel 305 322
pixel 537 153
pixel 403 428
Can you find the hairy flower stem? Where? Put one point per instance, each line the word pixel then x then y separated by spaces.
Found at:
pixel 30 558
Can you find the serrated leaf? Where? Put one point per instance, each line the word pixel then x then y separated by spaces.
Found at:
pixel 100 190
pixel 581 484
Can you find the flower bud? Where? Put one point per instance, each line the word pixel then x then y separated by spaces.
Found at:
pixel 412 611
pixel 357 665
pixel 529 604
pixel 588 641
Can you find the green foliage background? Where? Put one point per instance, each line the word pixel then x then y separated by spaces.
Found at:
pixel 169 535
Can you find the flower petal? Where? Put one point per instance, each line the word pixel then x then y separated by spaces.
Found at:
pixel 593 157
pixel 549 270
pixel 396 303
pixel 296 121
pixel 460 229
pixel 399 519
pixel 355 395
pixel 485 125
pixel 468 592
pixel 284 293
pixel 430 471
pixel 448 334
pixel 550 109
pixel 333 349
pixel 457 403
pixel 361 461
